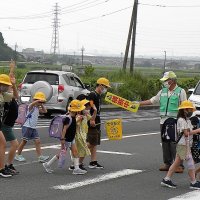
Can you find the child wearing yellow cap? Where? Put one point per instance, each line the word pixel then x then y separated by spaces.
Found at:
pixel 29 131
pixel 68 138
pixel 183 152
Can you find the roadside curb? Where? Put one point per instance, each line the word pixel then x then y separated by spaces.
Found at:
pixel 110 107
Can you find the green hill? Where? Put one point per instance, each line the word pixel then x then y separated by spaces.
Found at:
pixel 6 53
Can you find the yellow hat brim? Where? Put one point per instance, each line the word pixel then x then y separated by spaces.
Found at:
pixel 6 83
pixel 76 109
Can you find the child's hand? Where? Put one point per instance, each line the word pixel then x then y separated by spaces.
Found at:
pixel 92 123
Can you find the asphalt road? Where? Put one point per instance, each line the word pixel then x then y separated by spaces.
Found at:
pixel 131 167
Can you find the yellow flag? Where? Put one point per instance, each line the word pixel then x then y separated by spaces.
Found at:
pixel 121 102
pixel 114 129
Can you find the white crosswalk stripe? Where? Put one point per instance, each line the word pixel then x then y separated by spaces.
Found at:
pixel 124 115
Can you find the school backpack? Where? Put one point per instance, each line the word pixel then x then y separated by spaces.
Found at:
pixel 22 114
pixel 56 126
pixel 10 113
pixel 195 149
pixel 169 130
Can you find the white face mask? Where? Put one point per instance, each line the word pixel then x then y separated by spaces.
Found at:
pixel 166 84
pixel 104 91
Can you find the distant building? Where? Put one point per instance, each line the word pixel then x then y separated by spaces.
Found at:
pixel 31 54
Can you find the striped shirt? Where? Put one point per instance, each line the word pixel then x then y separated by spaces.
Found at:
pixel 31 122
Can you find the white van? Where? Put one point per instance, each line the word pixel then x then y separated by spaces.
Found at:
pixel 195 98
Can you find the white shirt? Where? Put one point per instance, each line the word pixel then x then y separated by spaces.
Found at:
pixel 156 100
pixel 182 125
pixel 31 122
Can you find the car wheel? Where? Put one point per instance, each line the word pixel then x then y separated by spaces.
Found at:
pixel 42 86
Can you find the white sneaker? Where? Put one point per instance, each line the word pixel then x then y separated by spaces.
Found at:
pixel 42 159
pixel 79 171
pixel 47 168
pixel 19 158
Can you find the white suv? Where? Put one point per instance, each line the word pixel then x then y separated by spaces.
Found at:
pixel 59 87
pixel 195 98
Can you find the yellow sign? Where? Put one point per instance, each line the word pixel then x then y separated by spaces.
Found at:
pixel 121 102
pixel 114 129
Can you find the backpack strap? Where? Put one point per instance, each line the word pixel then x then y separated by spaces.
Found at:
pixel 28 116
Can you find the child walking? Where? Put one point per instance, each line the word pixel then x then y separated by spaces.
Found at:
pixel 29 131
pixel 82 119
pixel 5 96
pixel 183 152
pixel 68 137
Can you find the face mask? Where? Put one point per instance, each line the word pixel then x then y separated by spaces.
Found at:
pixel 166 84
pixel 4 88
pixel 104 91
pixel 188 114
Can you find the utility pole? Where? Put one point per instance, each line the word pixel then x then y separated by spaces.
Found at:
pixel 164 63
pixel 82 50
pixel 55 36
pixel 15 53
pixel 128 41
pixel 133 37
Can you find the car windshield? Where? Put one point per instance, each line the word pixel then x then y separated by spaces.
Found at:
pixel 197 90
pixel 52 79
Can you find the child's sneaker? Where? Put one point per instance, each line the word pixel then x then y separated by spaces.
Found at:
pixel 71 167
pixel 81 166
pixel 95 165
pixel 19 158
pixel 42 159
pixel 10 168
pixel 168 183
pixel 195 186
pixel 79 171
pixel 4 173
pixel 47 168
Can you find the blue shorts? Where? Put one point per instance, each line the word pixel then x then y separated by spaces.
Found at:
pixel 29 133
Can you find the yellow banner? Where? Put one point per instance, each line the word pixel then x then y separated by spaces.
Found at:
pixel 114 129
pixel 121 102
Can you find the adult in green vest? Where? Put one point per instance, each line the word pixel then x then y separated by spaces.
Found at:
pixel 169 98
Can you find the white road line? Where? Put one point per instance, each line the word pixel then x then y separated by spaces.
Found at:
pixel 98 179
pixel 57 146
pixel 194 195
pixel 115 152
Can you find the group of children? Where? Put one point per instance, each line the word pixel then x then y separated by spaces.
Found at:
pixel 81 130
pixel 81 127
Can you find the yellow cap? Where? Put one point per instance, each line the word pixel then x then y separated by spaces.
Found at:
pixel 84 101
pixel 103 81
pixel 5 79
pixel 76 106
pixel 40 96
pixel 168 75
pixel 186 104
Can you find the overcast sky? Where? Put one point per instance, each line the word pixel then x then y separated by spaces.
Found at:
pixel 174 28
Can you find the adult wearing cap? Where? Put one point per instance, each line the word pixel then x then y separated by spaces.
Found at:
pixel 94 131
pixel 169 98
pixel 5 83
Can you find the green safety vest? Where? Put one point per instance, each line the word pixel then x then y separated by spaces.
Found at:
pixel 169 105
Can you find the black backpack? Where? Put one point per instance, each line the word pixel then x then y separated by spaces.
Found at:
pixel 195 149
pixel 10 113
pixel 81 97
pixel 169 130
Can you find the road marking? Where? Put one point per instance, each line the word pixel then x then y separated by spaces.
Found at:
pixel 98 179
pixel 115 152
pixel 57 146
pixel 194 195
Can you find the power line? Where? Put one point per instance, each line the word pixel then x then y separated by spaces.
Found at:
pixel 168 6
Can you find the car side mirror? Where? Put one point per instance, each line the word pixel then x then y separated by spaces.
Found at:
pixel 190 91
